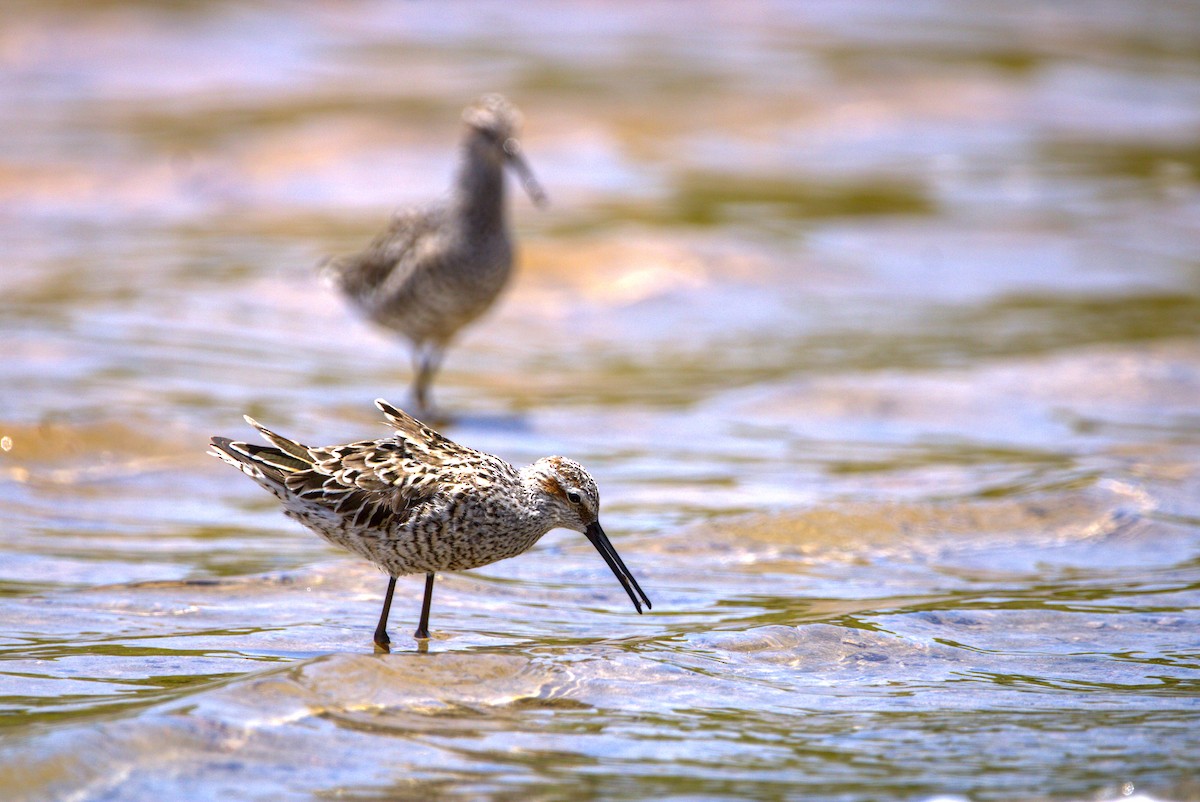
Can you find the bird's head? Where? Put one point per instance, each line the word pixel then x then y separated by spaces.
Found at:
pixel 568 497
pixel 495 125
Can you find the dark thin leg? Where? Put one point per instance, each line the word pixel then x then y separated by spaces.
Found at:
pixel 427 360
pixel 422 632
pixel 381 637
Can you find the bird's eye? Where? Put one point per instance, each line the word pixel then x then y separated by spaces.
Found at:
pixel 574 497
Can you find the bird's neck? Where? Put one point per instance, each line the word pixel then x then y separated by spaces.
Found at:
pixel 534 485
pixel 480 189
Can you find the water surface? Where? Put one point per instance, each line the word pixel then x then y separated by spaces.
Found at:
pixel 877 324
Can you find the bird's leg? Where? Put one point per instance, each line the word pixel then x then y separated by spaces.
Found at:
pixel 422 632
pixel 381 637
pixel 420 394
pixel 427 359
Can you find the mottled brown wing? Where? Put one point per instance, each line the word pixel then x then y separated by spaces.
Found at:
pixel 370 484
pixel 374 483
pixel 376 272
pixel 417 434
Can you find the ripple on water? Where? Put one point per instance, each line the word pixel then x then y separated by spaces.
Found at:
pixel 878 328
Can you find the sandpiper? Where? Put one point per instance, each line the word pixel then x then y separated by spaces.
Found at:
pixel 417 502
pixel 437 268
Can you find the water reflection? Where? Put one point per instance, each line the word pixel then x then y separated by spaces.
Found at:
pixel 878 326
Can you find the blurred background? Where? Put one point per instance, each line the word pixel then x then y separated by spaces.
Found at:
pixel 876 323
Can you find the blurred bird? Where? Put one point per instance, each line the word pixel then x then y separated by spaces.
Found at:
pixel 437 268
pixel 417 502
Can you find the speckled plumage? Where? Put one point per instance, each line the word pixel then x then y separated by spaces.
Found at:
pixel 436 269
pixel 417 502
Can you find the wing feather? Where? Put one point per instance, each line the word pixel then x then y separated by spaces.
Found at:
pixel 369 483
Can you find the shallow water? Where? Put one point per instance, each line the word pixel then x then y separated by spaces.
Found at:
pixel 878 325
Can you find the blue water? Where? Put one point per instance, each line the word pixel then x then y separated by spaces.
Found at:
pixel 877 325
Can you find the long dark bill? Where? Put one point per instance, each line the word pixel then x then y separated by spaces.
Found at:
pixel 512 149
pixel 600 541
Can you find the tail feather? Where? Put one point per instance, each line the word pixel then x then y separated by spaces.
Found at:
pixel 290 447
pixel 267 466
pixel 332 271
pixel 235 454
pixel 274 458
